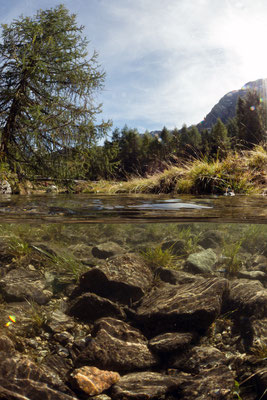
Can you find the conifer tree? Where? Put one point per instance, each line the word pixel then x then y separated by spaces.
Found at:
pixel 47 88
pixel 251 119
pixel 219 140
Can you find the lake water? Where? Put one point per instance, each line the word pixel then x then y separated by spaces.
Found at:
pixel 69 226
pixel 49 241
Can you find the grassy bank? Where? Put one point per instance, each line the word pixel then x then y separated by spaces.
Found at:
pixel 244 173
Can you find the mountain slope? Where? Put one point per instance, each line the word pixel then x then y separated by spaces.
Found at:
pixel 226 107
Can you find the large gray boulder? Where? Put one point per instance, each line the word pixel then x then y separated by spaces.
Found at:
pixel 117 346
pixel 125 278
pixel 187 307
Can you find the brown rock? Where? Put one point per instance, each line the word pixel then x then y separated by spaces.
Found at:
pixel 248 297
pixel 94 381
pixel 90 307
pixel 21 379
pixel 261 378
pixel 169 342
pixel 33 287
pixel 124 278
pixel 115 345
pixel 106 250
pixel 6 344
pixel 182 307
pixel 210 376
pixel 176 277
pixel 146 386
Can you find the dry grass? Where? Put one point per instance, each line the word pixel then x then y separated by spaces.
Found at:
pixel 244 173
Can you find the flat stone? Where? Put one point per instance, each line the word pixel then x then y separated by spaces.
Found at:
pixel 201 262
pixel 94 381
pixel 124 278
pixel 117 346
pixel 253 275
pixel 33 287
pixel 90 307
pixel 169 342
pixel 172 308
pixel 176 277
pixel 59 322
pixel 106 250
pixel 145 386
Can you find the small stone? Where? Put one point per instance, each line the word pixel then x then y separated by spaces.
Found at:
pixel 5 187
pixel 94 381
pixel 201 262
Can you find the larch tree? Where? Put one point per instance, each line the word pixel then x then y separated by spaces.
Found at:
pixel 48 87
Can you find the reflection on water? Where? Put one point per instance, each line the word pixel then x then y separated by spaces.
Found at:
pixel 149 208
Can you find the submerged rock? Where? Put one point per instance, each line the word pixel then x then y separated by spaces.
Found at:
pixel 5 187
pixel 261 378
pixel 116 346
pixel 146 386
pixel 90 307
pixel 248 297
pixel 106 250
pixel 169 342
pixel 20 378
pixel 211 239
pixel 94 381
pixel 59 322
pixel 124 278
pixel 210 377
pixel 176 277
pixel 33 287
pixel 182 307
pixel 201 262
pixel 177 247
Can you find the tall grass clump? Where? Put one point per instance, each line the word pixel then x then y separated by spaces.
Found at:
pixel 156 257
pixel 257 158
pixel 233 262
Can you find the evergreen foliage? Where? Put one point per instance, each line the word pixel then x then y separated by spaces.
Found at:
pixel 48 86
pixel 251 120
pixel 219 140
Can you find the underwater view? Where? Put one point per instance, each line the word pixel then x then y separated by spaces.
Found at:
pixel 133 297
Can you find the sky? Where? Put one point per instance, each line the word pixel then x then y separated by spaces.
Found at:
pixel 167 62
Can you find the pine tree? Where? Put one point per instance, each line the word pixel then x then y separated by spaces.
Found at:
pixel 48 85
pixel 251 120
pixel 219 140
